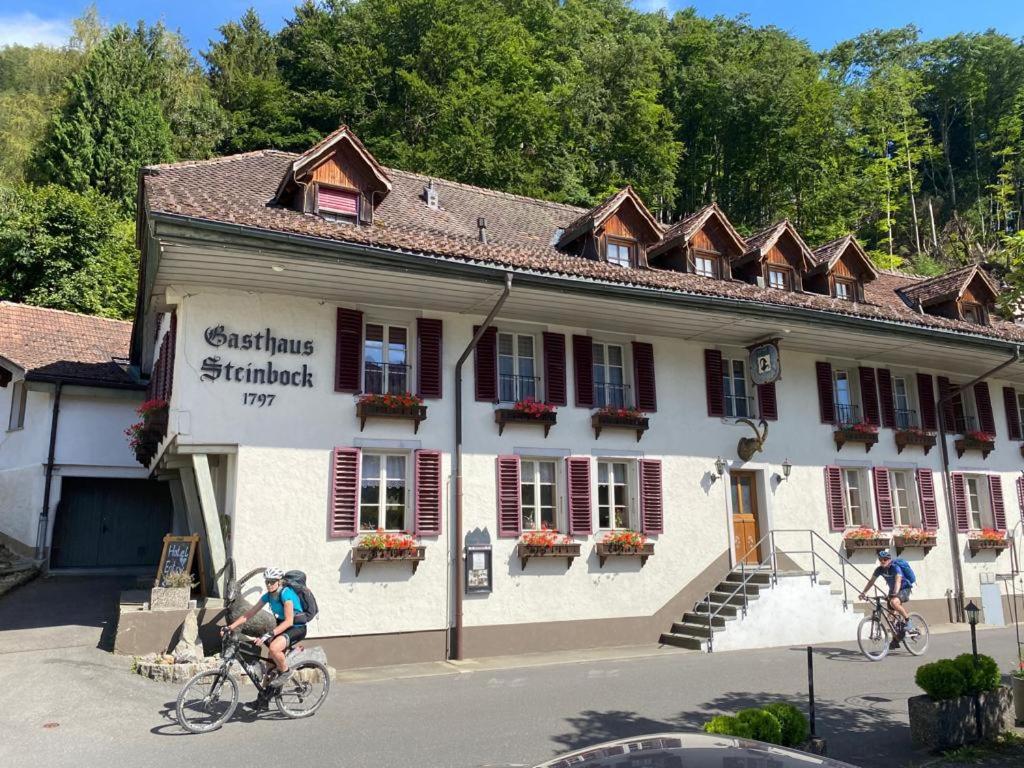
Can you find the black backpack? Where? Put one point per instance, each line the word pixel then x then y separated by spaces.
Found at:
pixel 297 581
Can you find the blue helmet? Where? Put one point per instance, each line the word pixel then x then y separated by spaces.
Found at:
pixel 885 554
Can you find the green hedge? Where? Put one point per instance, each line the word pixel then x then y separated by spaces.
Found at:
pixel 962 676
pixel 777 723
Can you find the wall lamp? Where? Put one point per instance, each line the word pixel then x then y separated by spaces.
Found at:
pixel 719 468
pixel 787 467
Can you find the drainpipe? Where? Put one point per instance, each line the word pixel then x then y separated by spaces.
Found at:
pixel 954 542
pixel 44 515
pixel 455 640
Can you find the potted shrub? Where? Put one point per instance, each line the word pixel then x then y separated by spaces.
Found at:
pixel 619 418
pixel 987 538
pixel 547 542
pixel 906 536
pixel 858 432
pixel 914 436
pixel 172 593
pixel 624 543
pixel 380 545
pixel 975 440
pixel 526 411
pixel 864 538
pixel 403 406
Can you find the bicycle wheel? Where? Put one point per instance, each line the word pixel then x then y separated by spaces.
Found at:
pixel 873 637
pixel 916 640
pixel 207 701
pixel 304 691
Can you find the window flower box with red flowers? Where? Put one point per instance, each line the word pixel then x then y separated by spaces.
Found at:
pixel 527 411
pixel 860 432
pixel 144 436
pixel 404 406
pixel 987 538
pixel 914 436
pixel 902 538
pixel 382 546
pixel 865 538
pixel 624 544
pixel 619 418
pixel 546 542
pixel 975 440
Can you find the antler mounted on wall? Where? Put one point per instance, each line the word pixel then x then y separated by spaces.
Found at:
pixel 748 446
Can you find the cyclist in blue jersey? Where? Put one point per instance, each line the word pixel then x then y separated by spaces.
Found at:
pixel 900 578
pixel 284 603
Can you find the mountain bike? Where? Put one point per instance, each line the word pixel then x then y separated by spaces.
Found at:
pixel 209 699
pixel 884 628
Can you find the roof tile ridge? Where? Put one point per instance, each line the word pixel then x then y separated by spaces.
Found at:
pixel 34 308
pixel 488 191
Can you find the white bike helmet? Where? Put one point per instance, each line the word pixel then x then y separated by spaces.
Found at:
pixel 272 574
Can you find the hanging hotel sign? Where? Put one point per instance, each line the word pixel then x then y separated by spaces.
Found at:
pixel 282 371
pixel 764 363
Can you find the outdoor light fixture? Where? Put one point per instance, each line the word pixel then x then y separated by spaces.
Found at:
pixel 720 466
pixel 787 467
pixel 972 612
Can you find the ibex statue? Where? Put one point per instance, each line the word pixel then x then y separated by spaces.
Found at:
pixel 748 446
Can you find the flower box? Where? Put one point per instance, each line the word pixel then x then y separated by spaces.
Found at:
pixel 503 416
pixel 974 442
pixel 867 435
pixel 569 551
pixel 979 544
pixel 874 541
pixel 924 540
pixel 408 407
pixel 363 555
pixel 906 437
pixel 643 551
pixel 619 419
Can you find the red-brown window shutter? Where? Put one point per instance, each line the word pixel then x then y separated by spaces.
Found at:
pixel 963 522
pixel 995 492
pixel 1020 497
pixel 343 510
pixel 428 493
pixel 926 495
pixel 652 517
pixel 510 518
pixel 826 396
pixel 643 377
pixel 869 395
pixel 348 358
pixel 983 401
pixel 883 498
pixel 885 400
pixel 766 401
pixel 1012 414
pixel 429 357
pixel 485 365
pixel 948 410
pixel 834 498
pixel 713 382
pixel 583 370
pixel 926 398
pixel 577 470
pixel 554 368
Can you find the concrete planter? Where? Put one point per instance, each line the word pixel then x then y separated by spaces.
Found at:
pixel 169 598
pixel 1018 698
pixel 942 725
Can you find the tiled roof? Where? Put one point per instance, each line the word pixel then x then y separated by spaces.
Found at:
pixel 686 227
pixel 945 287
pixel 596 215
pixel 825 256
pixel 759 243
pixel 237 190
pixel 49 343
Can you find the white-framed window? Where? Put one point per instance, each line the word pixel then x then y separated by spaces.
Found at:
pixel 517 367
pixel 386 369
pixel 842 388
pixel 1020 406
pixel 904 499
pixel 778 278
pixel 905 416
pixel 705 264
pixel 18 397
pixel 979 504
pixel 384 498
pixel 539 493
pixel 619 252
pixel 736 389
pixel 846 290
pixel 615 507
pixel 855 499
pixel 609 376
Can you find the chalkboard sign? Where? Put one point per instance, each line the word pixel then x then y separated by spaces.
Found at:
pixel 178 555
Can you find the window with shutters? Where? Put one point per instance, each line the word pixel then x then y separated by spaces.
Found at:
pixel 384 492
pixel 1020 406
pixel 538 488
pixel 903 410
pixel 855 499
pixel 517 368
pixel 847 411
pixel 904 499
pixel 705 264
pixel 974 313
pixel 619 251
pixel 965 413
pixel 18 398
pixel 610 388
pixel 615 507
pixel 979 502
pixel 386 369
pixel 736 389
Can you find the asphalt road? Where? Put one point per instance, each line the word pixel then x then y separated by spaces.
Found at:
pixel 71 704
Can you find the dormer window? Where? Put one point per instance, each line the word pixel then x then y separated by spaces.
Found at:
pixel 338 202
pixel 778 278
pixel 618 231
pixel 973 313
pixel 619 252
pixel 705 264
pixel 846 290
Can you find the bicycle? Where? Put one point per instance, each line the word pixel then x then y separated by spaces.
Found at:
pixel 209 699
pixel 876 633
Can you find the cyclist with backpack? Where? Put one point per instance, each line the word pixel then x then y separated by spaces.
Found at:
pixel 901 579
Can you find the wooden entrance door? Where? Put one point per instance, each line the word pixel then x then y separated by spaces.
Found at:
pixel 745 530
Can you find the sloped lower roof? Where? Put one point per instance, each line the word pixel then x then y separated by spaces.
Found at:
pixel 947 287
pixel 685 228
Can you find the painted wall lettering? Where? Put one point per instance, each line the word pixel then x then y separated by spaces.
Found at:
pixel 217 368
pixel 262 341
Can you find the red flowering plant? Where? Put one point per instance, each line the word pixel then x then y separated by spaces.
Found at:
pixel 861 533
pixel 978 436
pixel 624 538
pixel 134 434
pixel 392 402
pixel 910 534
pixel 988 534
pixel 620 413
pixel 531 407
pixel 545 537
pixel 380 539
pixel 861 428
pixel 916 432
pixel 151 407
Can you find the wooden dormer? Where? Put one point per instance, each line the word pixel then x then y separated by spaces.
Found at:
pixel 337 178
pixel 619 231
pixel 703 243
pixel 967 294
pixel 776 257
pixel 843 268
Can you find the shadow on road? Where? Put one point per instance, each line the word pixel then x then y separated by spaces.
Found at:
pixel 241 715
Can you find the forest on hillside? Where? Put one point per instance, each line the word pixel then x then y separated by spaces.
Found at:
pixel 916 146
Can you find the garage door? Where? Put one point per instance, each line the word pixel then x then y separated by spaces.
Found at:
pixel 110 523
